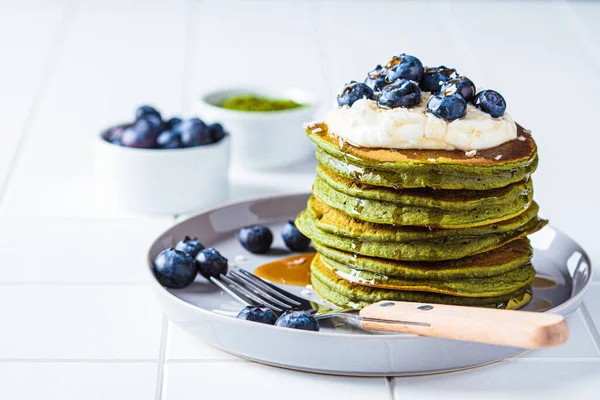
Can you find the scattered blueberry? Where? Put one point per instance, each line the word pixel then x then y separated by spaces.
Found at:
pixel 172 123
pixel 211 263
pixel 447 107
pixel 297 320
pixel 401 93
pixel 216 132
pixel 434 78
pixel 293 238
pixel 140 135
pixel 354 91
pixel 169 140
pixel 188 245
pixel 194 133
pixel 376 79
pixel 256 238
pixel 491 102
pixel 461 85
pixel 114 134
pixel 174 269
pixel 264 315
pixel 404 67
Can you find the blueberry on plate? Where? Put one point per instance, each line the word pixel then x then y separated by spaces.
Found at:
pixel 435 77
pixel 194 133
pixel 293 238
pixel 211 263
pixel 354 91
pixel 404 66
pixel 140 135
pixel 215 132
pixel 174 269
pixel 188 245
pixel 172 123
pixel 402 93
pixel 256 239
pixel 169 140
pixel 376 79
pixel 461 85
pixel 491 102
pixel 447 107
pixel 298 320
pixel 264 315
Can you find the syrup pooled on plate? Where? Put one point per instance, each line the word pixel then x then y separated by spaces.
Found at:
pixel 293 270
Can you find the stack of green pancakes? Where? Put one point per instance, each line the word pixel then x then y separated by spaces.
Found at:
pixel 431 226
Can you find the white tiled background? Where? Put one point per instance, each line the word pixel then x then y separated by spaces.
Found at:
pixel 78 320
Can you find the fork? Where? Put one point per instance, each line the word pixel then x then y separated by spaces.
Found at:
pixel 523 329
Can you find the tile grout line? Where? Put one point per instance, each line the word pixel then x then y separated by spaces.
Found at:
pixel 80 360
pixel 34 283
pixel 591 326
pixel 59 40
pixel 160 373
pixel 189 60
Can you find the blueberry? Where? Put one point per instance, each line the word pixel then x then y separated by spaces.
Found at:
pixel 216 132
pixel 434 78
pixel 376 79
pixel 174 269
pixel 114 134
pixel 140 135
pixel 448 107
pixel 145 111
pixel 491 102
pixel 211 263
pixel 402 93
pixel 293 238
pixel 188 245
pixel 194 133
pixel 169 140
pixel 404 67
pixel 256 238
pixel 354 91
pixel 297 320
pixel 461 85
pixel 264 315
pixel 172 123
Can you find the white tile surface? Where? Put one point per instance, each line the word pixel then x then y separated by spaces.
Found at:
pixel 77 250
pixel 75 381
pixel 579 345
pixel 116 56
pixel 183 346
pixel 508 380
pixel 242 379
pixel 79 322
pixel 25 55
pixel 592 303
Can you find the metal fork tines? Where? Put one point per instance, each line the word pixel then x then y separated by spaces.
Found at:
pixel 249 289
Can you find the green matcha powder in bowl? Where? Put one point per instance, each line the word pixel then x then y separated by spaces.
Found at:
pixel 266 125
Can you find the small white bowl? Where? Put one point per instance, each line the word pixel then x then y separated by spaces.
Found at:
pixel 262 140
pixel 163 181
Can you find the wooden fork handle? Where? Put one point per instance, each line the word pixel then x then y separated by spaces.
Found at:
pixel 524 329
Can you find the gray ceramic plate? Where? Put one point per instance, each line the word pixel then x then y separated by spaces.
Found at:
pixel 204 311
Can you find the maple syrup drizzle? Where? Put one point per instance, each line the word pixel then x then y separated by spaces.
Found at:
pixel 543 282
pixel 293 270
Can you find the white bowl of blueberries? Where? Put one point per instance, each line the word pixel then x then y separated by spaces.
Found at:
pixel 163 166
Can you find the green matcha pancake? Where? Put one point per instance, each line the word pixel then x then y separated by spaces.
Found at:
pixel 502 260
pixel 497 167
pixel 329 227
pixel 343 293
pixel 469 287
pixel 422 207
